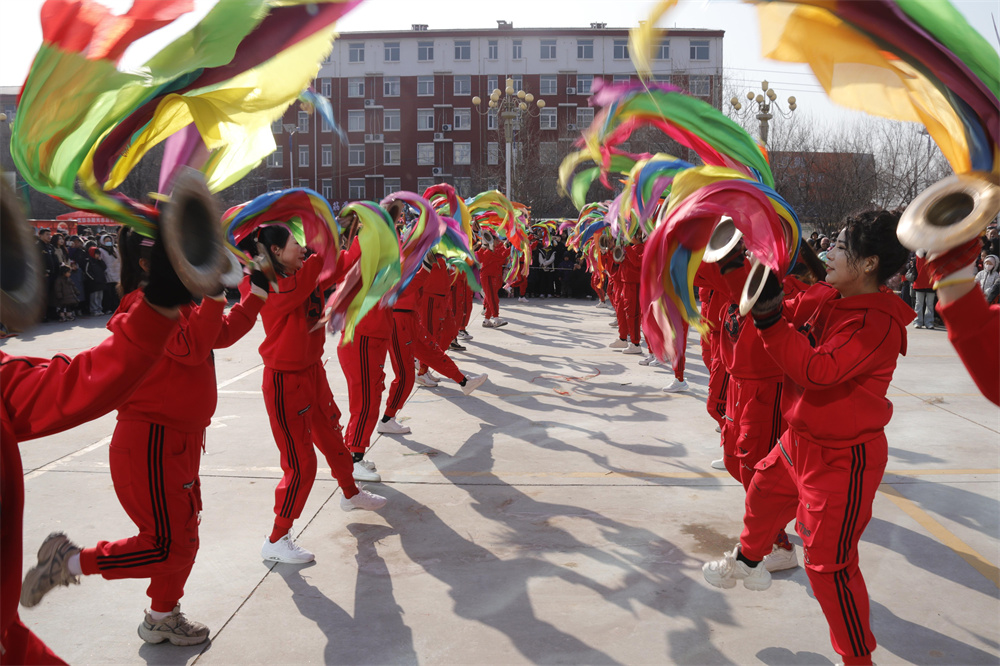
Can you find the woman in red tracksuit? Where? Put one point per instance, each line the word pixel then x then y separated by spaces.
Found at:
pixel 410 341
pixel 44 396
pixel 156 450
pixel 630 318
pixel 838 345
pixel 491 264
pixel 297 393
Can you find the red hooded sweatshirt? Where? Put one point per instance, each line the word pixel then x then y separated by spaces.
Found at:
pixel 838 355
pixel 179 392
pixel 631 267
pixel 293 342
pixel 974 331
pixel 492 261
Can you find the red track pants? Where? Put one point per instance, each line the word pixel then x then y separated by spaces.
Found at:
pixel 597 284
pixel 752 426
pixel 302 412
pixel 155 473
pixel 630 319
pixel 829 492
pixel 409 341
pixel 22 646
pixel 491 295
pixel 363 362
pixel 718 378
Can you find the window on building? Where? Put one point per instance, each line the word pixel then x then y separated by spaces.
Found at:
pixel 493 50
pixel 275 185
pixel 327 188
pixel 425 119
pixel 462 119
pixel 304 183
pixel 425 154
pixel 392 51
pixel 548 84
pixel 326 155
pixel 390 185
pixel 661 78
pixel 584 49
pixel 463 85
pixel 423 184
pixel 390 120
pixel 463 50
pixel 356 120
pixel 515 49
pixel 548 152
pixel 491 119
pixel 493 153
pixel 325 87
pixel 699 86
pixel 463 187
pixel 356 52
pixel 492 83
pixel 390 154
pixel 547 119
pixel 356 154
pixel 425 86
pixel 621 49
pixel 303 122
pixel 548 49
pixel 355 87
pixel 304 156
pixel 518 82
pixel 584 116
pixel 662 51
pixel 390 86
pixel 276 159
pixel 699 49
pixel 463 153
pixel 621 78
pixel 425 51
pixel 584 84
pixel 324 125
pixel 276 127
pixel 355 188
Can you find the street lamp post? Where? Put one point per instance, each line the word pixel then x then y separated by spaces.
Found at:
pixel 765 102
pixel 511 108
pixel 292 131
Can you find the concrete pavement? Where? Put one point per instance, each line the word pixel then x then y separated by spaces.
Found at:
pixel 561 514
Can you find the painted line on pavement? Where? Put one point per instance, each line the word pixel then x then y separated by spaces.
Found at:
pixel 942 534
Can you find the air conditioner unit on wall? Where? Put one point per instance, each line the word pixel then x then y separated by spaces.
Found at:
pixel 438 136
pixel 570 91
pixel 446 128
pixel 369 102
pixel 571 127
pixel 378 138
pixel 437 171
pixel 368 138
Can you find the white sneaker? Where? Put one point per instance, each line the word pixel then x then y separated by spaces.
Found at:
pixel 498 322
pixel 718 429
pixel 424 380
pixel 392 427
pixel 364 470
pixel 464 335
pixel 725 572
pixel 780 559
pixel 364 500
pixel 655 362
pixel 522 299
pixel 676 386
pixel 632 349
pixel 285 550
pixel 618 344
pixel 487 323
pixel 719 464
pixel 646 360
pixel 472 382
pixel 613 323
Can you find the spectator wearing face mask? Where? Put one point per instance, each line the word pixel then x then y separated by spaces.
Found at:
pixel 988 279
pixel 113 273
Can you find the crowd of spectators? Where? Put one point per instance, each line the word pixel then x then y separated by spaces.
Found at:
pixel 556 271
pixel 81 274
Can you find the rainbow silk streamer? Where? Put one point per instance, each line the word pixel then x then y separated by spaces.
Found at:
pixel 81 120
pixel 374 276
pixel 455 244
pixel 303 211
pixel 907 60
pixel 419 237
